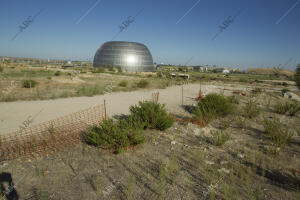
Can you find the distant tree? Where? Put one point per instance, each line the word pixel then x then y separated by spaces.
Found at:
pixel 297 76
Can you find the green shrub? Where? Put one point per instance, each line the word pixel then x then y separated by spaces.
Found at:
pixel 89 90
pixel 123 83
pixel 159 74
pixel 111 69
pixel 297 76
pixel 278 133
pixel 244 79
pixel 29 83
pixel 57 73
pixel 115 135
pixel 1 69
pixel 119 69
pixel 220 137
pixel 251 109
pixel 285 84
pixel 151 115
pixel 143 83
pixel 99 70
pixel 290 108
pixel 213 106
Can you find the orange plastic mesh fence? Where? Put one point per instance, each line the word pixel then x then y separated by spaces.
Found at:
pixel 51 136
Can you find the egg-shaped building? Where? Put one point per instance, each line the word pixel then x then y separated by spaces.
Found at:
pixel 130 56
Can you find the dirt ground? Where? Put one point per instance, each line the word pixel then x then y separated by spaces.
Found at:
pixel 12 114
pixel 175 164
pixel 179 163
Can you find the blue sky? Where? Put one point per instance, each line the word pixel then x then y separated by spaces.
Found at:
pixel 265 33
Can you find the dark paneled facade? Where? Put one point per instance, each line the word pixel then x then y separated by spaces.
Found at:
pixel 130 56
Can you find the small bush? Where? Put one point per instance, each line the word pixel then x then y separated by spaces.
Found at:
pixel 278 133
pixel 1 69
pixel 143 83
pixel 244 80
pixel 285 84
pixel 111 69
pixel 57 73
pixel 115 135
pixel 123 83
pixel 89 90
pixel 290 108
pixel 159 74
pixel 99 70
pixel 251 109
pixel 212 106
pixel 119 69
pixel 29 83
pixel 151 115
pixel 220 137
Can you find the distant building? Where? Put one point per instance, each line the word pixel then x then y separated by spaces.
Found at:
pixel 225 71
pixel 130 56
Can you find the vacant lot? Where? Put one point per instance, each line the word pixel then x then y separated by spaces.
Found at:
pixel 240 155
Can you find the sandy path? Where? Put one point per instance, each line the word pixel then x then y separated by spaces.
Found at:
pixel 12 114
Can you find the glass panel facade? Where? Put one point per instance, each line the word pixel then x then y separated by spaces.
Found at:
pixel 130 56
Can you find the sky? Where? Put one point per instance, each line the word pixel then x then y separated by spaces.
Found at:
pixel 261 33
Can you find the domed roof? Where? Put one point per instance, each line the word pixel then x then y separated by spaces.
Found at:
pixel 130 56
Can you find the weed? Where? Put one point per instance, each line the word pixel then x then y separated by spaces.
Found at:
pixel 291 108
pixel 244 80
pixel 151 115
pixel 256 90
pixel 240 122
pixel 267 101
pixel 119 69
pixel 251 109
pixel 96 182
pixel 233 99
pixel 224 124
pixel 99 70
pixel 220 137
pixel 130 188
pixel 111 69
pixel 278 133
pixel 173 166
pixel 29 83
pixel 161 179
pixel 89 90
pixel 143 83
pixel 123 83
